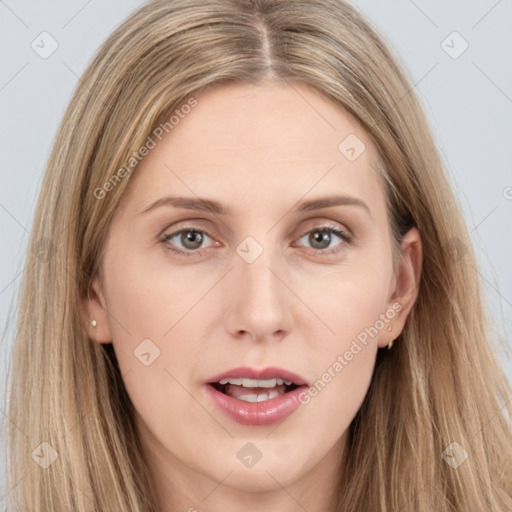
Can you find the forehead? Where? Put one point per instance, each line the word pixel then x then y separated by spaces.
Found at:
pixel 257 142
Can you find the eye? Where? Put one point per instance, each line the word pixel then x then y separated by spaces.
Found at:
pixel 321 237
pixel 188 241
pixel 191 240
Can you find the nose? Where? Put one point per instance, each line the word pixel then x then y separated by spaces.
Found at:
pixel 258 300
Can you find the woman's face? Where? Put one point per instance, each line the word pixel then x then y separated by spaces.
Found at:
pixel 225 254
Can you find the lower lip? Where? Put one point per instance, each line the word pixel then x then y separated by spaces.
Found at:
pixel 264 413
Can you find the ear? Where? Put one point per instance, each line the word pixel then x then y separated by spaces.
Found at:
pixel 94 307
pixel 406 286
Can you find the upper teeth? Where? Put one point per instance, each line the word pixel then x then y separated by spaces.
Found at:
pixel 253 383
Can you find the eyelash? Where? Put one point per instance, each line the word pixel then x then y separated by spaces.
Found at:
pixel 346 240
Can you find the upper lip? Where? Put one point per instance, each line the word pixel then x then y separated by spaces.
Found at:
pixel 269 372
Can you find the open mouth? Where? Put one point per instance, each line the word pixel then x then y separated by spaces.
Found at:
pixel 252 390
pixel 256 397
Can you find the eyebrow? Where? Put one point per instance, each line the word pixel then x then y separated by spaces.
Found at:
pixel 208 205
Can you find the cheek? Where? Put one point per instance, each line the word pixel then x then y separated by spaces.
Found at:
pixel 344 359
pixel 145 296
pixel 339 390
pixel 351 303
pixel 348 298
pixel 150 306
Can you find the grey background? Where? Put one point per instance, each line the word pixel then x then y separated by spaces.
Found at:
pixel 468 100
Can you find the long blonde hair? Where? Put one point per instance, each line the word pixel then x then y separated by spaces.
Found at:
pixel 440 384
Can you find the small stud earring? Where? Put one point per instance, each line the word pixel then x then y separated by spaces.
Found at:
pixel 93 323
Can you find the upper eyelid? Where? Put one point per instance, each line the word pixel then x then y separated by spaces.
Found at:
pixel 195 224
pixel 325 225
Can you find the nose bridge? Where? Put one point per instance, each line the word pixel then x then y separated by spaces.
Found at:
pixel 254 269
pixel 260 304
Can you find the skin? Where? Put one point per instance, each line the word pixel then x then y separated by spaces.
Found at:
pixel 258 150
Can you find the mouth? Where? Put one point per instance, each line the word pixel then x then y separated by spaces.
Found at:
pixel 256 397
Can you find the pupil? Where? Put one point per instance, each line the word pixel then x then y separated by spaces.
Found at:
pixel 192 239
pixel 319 237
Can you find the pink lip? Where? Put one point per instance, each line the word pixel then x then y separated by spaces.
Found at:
pixel 264 413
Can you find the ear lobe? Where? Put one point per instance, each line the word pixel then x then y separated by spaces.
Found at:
pixel 95 308
pixel 407 284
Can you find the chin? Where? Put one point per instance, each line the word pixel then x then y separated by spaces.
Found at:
pixel 259 479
